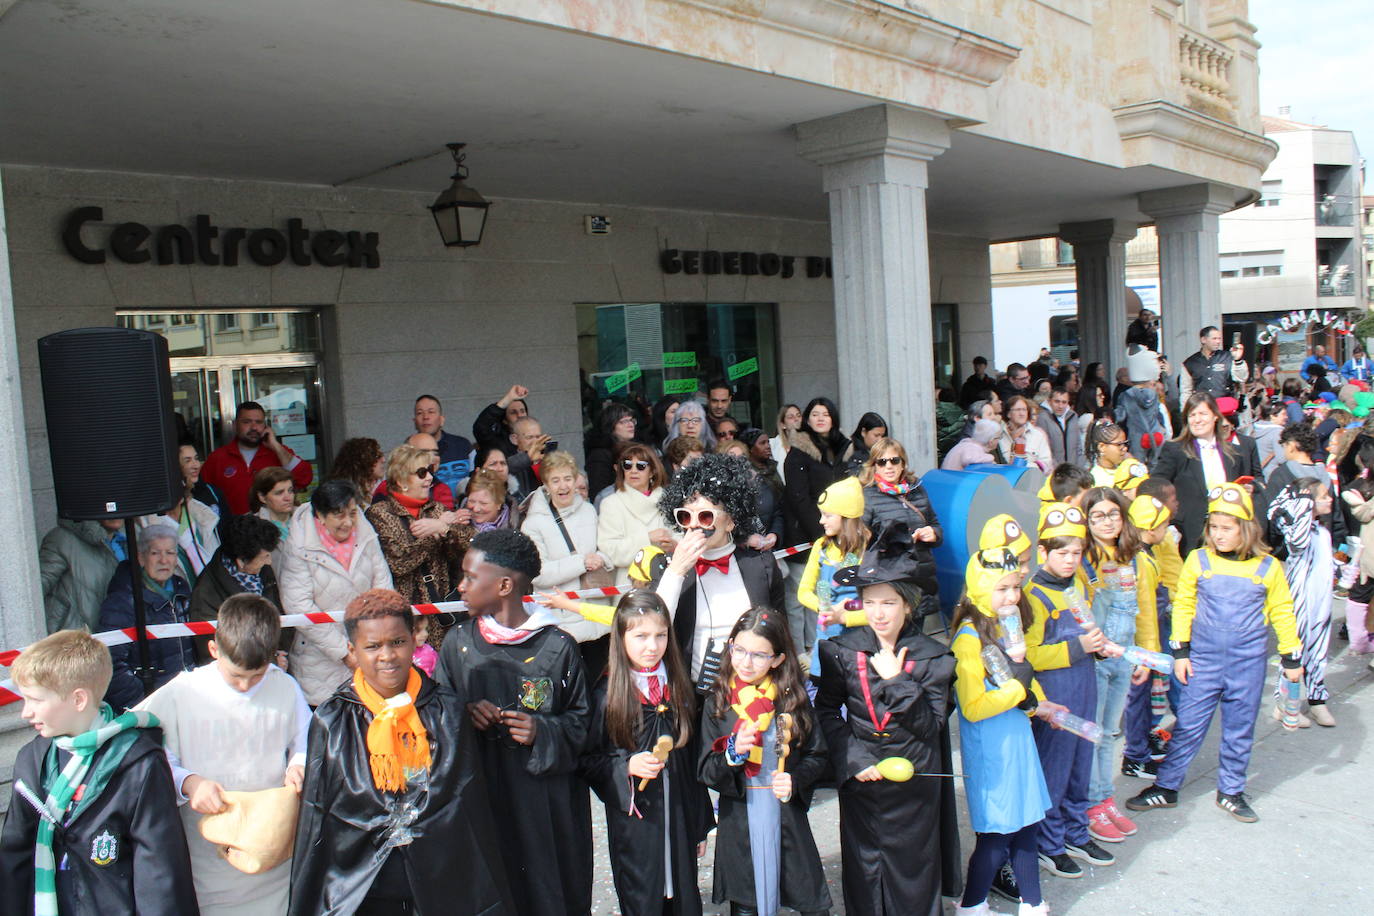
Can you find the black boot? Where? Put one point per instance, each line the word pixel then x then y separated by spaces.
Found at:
pixel 737 909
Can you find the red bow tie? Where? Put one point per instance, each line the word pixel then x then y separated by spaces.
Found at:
pixel 720 563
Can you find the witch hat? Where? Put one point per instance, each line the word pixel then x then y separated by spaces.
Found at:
pixel 888 558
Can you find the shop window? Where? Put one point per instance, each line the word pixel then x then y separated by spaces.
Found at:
pixel 636 353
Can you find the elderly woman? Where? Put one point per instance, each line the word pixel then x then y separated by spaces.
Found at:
pixel 243 563
pixel 976 449
pixel 713 576
pixel 196 522
pixel 1021 438
pixel 273 497
pixel 488 504
pixel 562 526
pixel 893 493
pixel 394 816
pixel 166 599
pixel 332 555
pixel 691 421
pixel 423 544
pixel 629 518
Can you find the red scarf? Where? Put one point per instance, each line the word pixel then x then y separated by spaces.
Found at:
pixel 411 504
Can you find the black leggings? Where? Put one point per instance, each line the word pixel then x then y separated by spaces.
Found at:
pixel 988 855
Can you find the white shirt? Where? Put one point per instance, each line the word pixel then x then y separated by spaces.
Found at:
pixel 1213 471
pixel 721 599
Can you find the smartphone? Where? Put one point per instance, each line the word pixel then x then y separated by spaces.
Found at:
pixel 551 446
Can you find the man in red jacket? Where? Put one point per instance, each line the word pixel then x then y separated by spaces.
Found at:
pixel 231 466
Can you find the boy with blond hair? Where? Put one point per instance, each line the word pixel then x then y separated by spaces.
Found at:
pixel 92 826
pixel 237 724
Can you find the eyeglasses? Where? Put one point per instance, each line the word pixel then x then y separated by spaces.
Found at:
pixel 1119 443
pixel 705 518
pixel 1111 515
pixel 889 462
pixel 725 434
pixel 629 465
pixel 423 472
pixel 739 654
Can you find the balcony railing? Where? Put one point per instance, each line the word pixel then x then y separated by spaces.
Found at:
pixel 1204 67
pixel 1333 211
pixel 1341 282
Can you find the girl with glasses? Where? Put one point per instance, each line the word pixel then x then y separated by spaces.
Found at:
pixel 884 693
pixel 762 752
pixel 1122 579
pixel 1106 447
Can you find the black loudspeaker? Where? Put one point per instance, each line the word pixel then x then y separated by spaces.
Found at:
pixel 107 394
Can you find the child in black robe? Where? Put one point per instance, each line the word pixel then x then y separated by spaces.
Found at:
pixel 766 857
pixel 522 679
pixel 657 813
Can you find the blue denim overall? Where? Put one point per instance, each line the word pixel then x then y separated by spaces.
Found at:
pixel 835 595
pixel 1230 650
pixel 1065 758
pixel 1115 610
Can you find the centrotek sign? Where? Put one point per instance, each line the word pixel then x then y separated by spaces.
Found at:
pixel 208 244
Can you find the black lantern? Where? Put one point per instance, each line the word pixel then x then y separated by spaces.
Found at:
pixel 460 212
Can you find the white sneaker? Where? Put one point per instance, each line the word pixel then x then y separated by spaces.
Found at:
pixel 980 909
pixel 1041 909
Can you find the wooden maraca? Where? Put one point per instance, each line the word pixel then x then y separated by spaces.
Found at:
pixel 662 747
pixel 784 745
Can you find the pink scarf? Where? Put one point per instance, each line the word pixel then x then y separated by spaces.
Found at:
pixel 339 550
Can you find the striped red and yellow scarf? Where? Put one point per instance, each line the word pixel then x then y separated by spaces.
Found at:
pixel 753 703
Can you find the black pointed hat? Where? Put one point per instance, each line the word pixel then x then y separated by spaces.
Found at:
pixel 888 558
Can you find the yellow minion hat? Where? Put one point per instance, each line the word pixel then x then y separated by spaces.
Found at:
pixel 844 498
pixel 1232 499
pixel 1147 513
pixel 1046 492
pixel 648 564
pixel 1129 474
pixel 1060 520
pixel 1004 531
pixel 985 569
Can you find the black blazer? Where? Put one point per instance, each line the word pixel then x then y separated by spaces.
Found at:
pixel 1186 474
pixel 762 582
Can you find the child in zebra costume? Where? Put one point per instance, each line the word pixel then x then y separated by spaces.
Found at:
pixel 1309 569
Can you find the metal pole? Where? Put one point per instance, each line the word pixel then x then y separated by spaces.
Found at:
pixel 145 663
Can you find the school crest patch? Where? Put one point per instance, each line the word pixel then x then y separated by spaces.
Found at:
pixel 104 849
pixel 535 692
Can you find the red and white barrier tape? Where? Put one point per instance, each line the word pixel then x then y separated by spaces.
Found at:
pixel 207 627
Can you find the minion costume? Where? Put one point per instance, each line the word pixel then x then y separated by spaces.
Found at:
pixel 1003 782
pixel 649 563
pixel 1221 610
pixel 1067 675
pixel 1147 513
pixel 818 587
pixel 1005 531
pixel 1129 475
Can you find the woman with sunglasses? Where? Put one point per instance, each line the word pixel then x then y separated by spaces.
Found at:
pixel 893 493
pixel 629 518
pixel 423 544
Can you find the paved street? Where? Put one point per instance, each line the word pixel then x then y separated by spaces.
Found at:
pixel 1311 852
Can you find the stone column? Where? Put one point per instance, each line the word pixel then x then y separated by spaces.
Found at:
pixel 1189 266
pixel 1099 257
pixel 874 171
pixel 21 596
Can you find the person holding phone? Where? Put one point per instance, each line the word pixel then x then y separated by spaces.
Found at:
pixel 231 467
pixel 1212 370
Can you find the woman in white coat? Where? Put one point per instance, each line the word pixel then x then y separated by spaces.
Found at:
pixel 1022 438
pixel 629 518
pixel 332 555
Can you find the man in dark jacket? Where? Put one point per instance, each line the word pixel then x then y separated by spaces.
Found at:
pixel 1016 382
pixel 167 599
pixel 456 454
pixel 975 384
pixel 1144 331
pixel 495 424
pixel 1212 369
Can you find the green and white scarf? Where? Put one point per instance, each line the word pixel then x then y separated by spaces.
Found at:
pixel 63 787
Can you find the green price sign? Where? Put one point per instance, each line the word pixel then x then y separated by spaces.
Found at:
pixel 632 372
pixel 740 370
pixel 679 386
pixel 616 382
pixel 685 359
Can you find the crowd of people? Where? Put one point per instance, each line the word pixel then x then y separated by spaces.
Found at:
pixel 441 762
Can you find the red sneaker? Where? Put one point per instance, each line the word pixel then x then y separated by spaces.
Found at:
pixel 1123 824
pixel 1100 825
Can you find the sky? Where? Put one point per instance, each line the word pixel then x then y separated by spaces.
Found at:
pixel 1316 58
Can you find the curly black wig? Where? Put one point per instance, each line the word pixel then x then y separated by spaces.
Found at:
pixel 509 549
pixel 727 481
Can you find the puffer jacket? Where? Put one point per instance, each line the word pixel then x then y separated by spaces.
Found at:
pixel 312 580
pixel 168 657
pixel 914 508
pixel 623 525
pixel 76 564
pixel 561 568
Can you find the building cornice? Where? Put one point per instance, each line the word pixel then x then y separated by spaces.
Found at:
pixel 1160 120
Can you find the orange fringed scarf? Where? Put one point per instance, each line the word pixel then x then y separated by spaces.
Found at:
pixel 396 739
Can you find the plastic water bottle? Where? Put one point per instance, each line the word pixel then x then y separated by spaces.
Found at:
pixel 1078 607
pixel 1009 623
pixel 1155 661
pixel 1088 731
pixel 995 663
pixel 1159 695
pixel 1292 703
